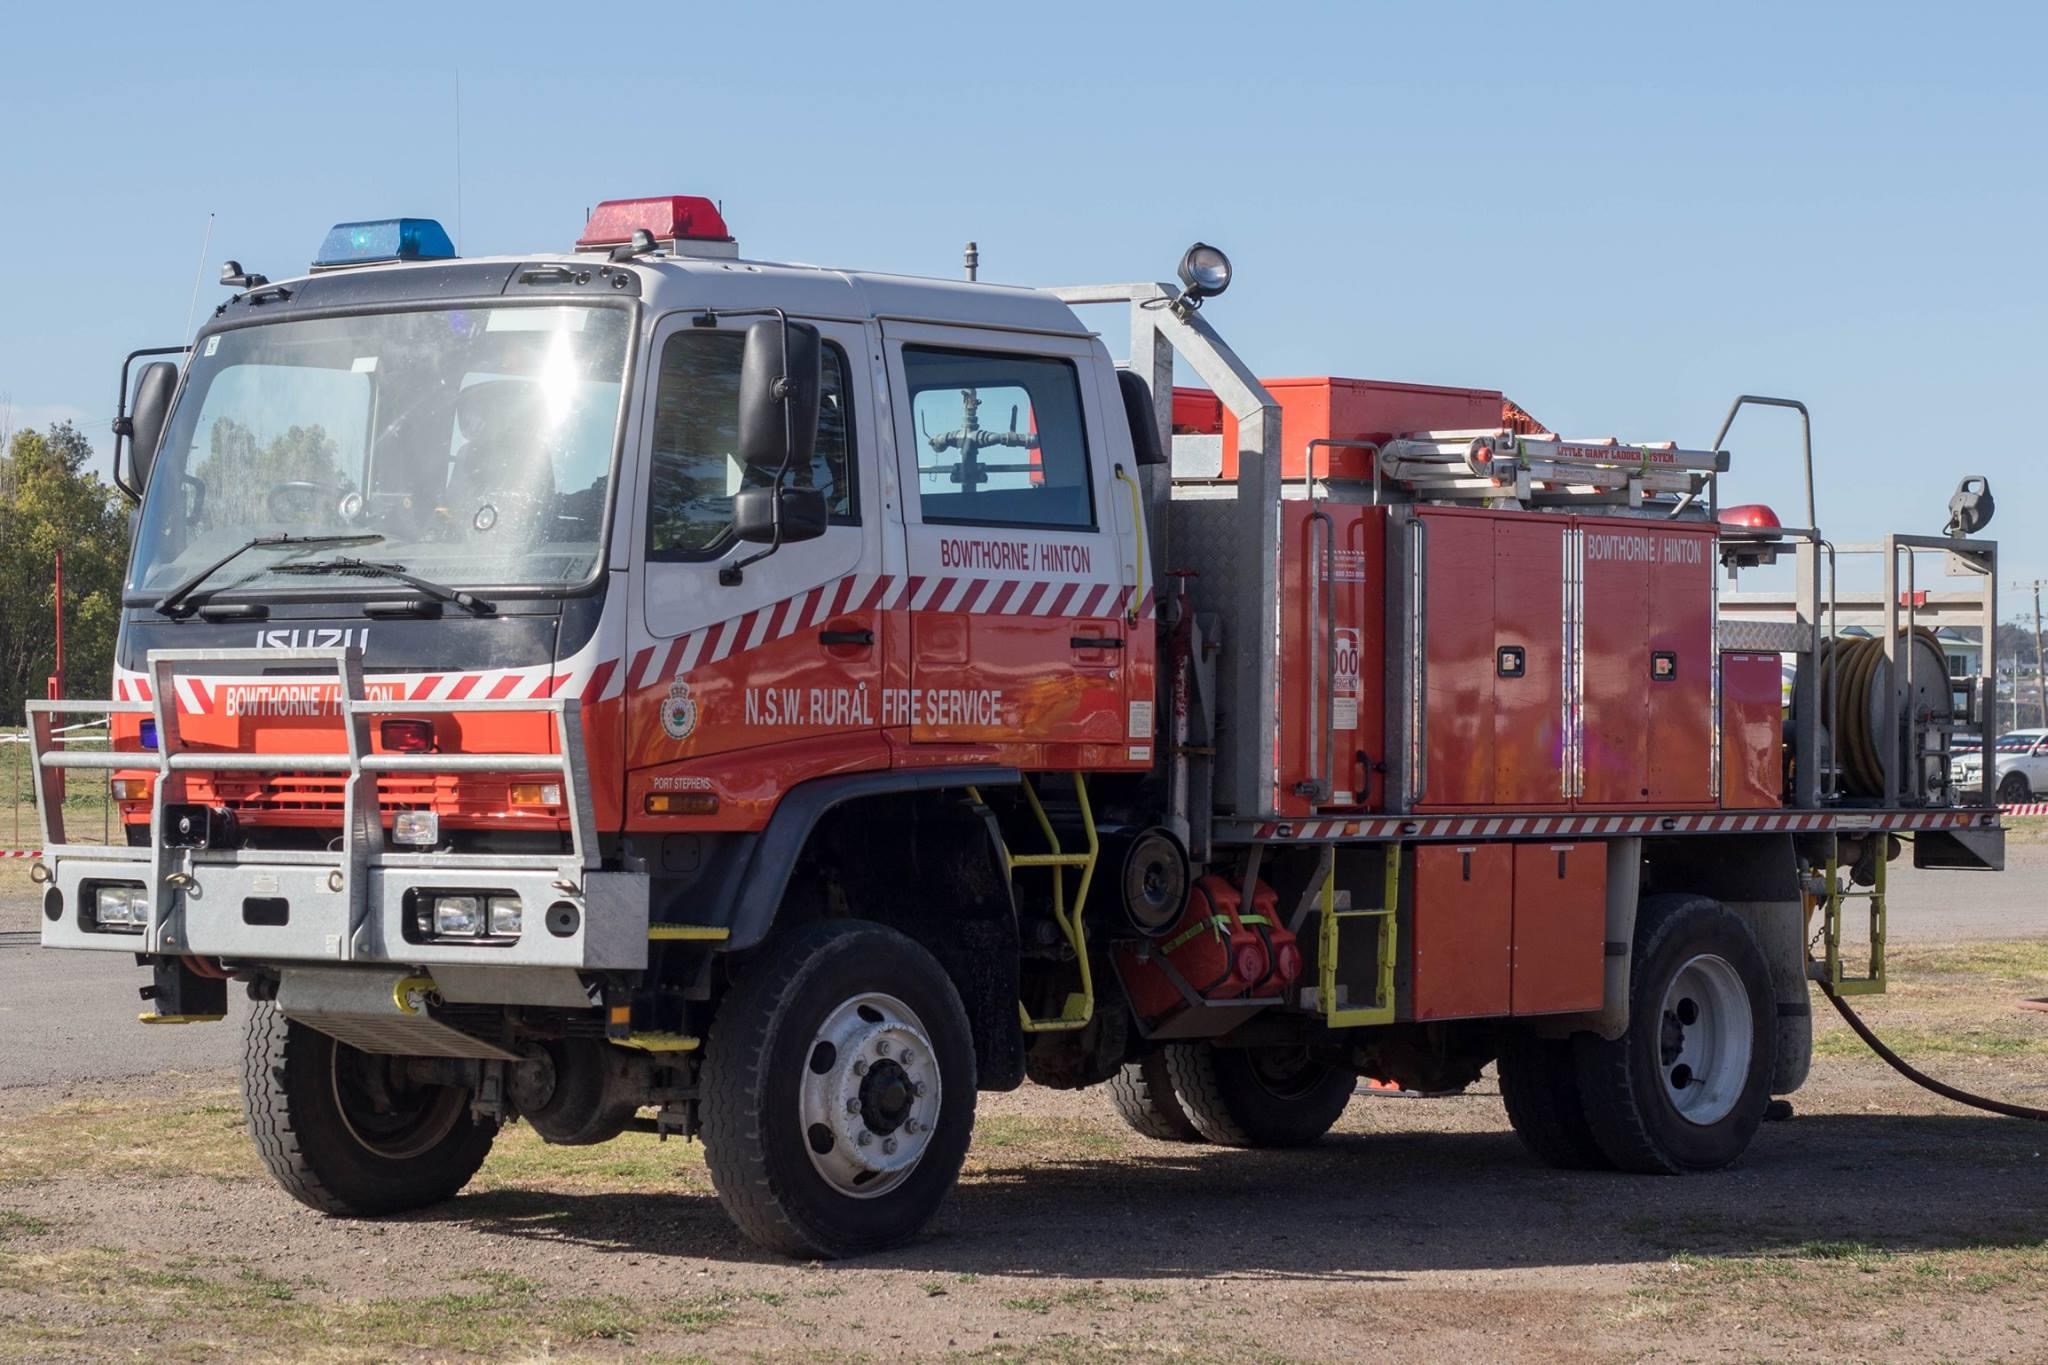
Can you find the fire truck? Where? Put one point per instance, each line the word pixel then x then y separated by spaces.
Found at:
pixel 642 688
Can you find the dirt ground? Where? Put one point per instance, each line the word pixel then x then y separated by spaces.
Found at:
pixel 1879 1224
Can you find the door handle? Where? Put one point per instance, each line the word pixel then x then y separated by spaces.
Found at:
pixel 865 639
pixel 1095 642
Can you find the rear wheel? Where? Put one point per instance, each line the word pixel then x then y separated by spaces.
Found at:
pixel 348 1132
pixel 1258 1097
pixel 1142 1092
pixel 2015 790
pixel 1685 1088
pixel 838 1091
pixel 1539 1084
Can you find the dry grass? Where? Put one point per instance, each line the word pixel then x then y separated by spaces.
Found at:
pixel 1951 1000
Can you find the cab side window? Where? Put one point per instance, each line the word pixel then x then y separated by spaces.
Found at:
pixel 696 432
pixel 1000 439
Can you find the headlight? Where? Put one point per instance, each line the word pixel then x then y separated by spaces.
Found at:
pixel 122 908
pixel 416 827
pixel 505 916
pixel 457 915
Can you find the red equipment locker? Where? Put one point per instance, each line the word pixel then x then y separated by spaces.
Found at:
pixel 1345 410
pixel 1752 731
pixel 1560 928
pixel 1461 929
pixel 1493 659
pixel 1648 641
pixel 1341 681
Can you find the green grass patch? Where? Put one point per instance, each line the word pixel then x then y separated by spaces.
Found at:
pixel 15 1224
pixel 1990 1041
pixel 1071 1136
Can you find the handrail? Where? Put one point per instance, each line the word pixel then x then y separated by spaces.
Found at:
pixel 1805 438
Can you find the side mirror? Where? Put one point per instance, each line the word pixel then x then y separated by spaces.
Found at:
pixel 778 426
pixel 804 514
pixel 154 389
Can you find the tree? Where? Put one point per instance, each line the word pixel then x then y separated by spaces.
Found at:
pixel 56 503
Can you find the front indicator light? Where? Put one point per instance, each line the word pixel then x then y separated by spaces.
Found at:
pixel 536 794
pixel 131 788
pixel 505 917
pixel 681 803
pixel 420 828
pixel 457 915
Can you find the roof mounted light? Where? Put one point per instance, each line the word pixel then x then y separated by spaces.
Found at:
pixel 378 241
pixel 685 224
pixel 1204 273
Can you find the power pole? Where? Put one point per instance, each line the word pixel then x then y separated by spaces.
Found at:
pixel 2040 673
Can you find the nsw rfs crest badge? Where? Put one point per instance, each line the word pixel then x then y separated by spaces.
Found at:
pixel 679 711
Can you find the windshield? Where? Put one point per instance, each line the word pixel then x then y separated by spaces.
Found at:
pixel 477 442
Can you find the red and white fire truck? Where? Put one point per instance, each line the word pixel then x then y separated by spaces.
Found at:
pixel 643 688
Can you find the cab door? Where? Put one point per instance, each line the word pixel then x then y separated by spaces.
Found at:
pixel 1013 625
pixel 789 652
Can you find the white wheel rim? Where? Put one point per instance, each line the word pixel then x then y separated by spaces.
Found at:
pixel 1704 1039
pixel 870 1094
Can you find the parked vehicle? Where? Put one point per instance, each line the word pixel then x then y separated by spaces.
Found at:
pixel 639 688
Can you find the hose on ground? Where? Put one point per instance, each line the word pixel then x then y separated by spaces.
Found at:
pixel 1921 1078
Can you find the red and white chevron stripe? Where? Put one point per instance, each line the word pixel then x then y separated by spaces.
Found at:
pixel 1597 826
pixel 876 592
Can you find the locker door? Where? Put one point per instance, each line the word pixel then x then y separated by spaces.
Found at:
pixel 1681 686
pixel 1458 696
pixel 1461 924
pixel 1560 929
pixel 1528 661
pixel 1614 707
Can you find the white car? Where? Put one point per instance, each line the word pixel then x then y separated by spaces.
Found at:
pixel 2022 757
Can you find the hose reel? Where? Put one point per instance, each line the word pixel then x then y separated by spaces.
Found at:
pixel 1853 688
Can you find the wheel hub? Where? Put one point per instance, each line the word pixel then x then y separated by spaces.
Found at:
pixel 870 1095
pixel 1703 1038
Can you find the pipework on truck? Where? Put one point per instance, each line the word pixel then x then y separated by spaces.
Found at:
pixel 641 688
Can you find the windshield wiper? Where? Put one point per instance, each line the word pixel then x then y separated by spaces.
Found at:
pixel 172 603
pixel 367 568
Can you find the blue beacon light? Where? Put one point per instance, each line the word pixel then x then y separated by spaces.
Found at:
pixel 384 239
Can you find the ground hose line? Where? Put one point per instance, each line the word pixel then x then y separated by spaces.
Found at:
pixel 1921 1078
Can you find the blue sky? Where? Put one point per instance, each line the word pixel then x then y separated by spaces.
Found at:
pixel 1620 215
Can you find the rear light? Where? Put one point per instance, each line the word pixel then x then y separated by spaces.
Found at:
pixel 420 828
pixel 407 736
pixel 131 788
pixel 536 794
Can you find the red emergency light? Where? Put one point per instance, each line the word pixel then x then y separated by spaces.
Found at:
pixel 667 218
pixel 1751 516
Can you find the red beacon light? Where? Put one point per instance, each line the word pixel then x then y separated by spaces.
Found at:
pixel 1743 552
pixel 682 224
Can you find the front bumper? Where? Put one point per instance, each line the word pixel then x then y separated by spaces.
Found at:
pixel 349 905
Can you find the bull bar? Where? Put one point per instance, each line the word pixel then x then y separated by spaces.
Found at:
pixel 344 905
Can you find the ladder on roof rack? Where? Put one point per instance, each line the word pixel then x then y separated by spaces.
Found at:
pixel 1483 464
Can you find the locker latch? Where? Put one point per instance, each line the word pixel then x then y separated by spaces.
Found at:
pixel 1512 661
pixel 1663 665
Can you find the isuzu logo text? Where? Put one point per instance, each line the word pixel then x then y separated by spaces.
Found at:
pixel 315 637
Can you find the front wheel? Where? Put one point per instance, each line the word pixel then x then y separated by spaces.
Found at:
pixel 350 1132
pixel 1258 1096
pixel 1685 1087
pixel 838 1091
pixel 2015 790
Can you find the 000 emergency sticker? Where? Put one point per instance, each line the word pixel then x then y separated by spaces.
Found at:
pixel 1141 720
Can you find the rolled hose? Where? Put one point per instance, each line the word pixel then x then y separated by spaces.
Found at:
pixel 1921 1078
pixel 1852 663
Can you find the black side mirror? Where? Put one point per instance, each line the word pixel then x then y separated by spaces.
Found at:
pixel 779 395
pixel 804 514
pixel 154 389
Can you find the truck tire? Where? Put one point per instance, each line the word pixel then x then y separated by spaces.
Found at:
pixel 343 1131
pixel 1258 1097
pixel 1539 1084
pixel 1143 1095
pixel 1685 1088
pixel 838 1091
